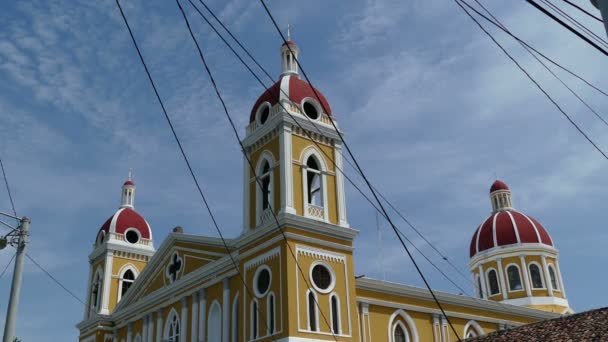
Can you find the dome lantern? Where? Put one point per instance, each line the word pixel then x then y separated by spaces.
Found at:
pixel 500 196
pixel 127 199
pixel 289 56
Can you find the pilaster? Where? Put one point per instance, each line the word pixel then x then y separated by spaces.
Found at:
pixel 524 270
pixel 501 275
pixel 107 278
pixel 226 310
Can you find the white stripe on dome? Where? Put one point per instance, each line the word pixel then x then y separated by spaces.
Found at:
pixel 535 229
pixel 494 229
pixel 478 233
pixel 284 91
pixel 149 229
pixel 515 228
pixel 112 228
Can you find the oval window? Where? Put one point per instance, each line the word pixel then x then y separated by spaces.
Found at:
pixel 264 114
pixel 132 236
pixel 262 282
pixel 310 110
pixel 321 277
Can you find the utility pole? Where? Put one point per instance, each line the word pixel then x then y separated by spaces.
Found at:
pixel 602 5
pixel 19 238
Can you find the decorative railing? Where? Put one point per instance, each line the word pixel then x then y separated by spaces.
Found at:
pixel 316 211
pixel 293 108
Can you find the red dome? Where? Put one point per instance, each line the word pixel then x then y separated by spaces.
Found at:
pixel 129 183
pixel 289 87
pixel 126 218
pixel 508 227
pixel 498 185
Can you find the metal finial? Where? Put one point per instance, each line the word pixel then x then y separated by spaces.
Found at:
pixel 130 173
pixel 288 32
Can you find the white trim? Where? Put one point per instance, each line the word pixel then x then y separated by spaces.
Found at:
pixel 254 334
pixel 522 260
pixel 159 325
pixel 316 312
pixel 246 193
pixel 502 278
pixel 537 301
pixel 274 312
pixel 484 287
pixel 214 306
pixel 338 313
pixel 258 111
pixel 234 326
pixel 183 318
pixel 548 284
pixel 308 152
pixel 265 156
pixel 475 327
pixel 107 277
pixel 194 319
pixel 403 328
pixel 561 281
pixel 121 274
pixel 411 326
pixel 515 228
pixel 315 104
pixel 340 193
pixel 169 320
pixel 331 271
pixel 477 237
pixel 286 170
pixel 136 232
pixel 494 229
pixel 202 316
pixel 550 267
pixel 487 275
pixel 515 250
pixel 521 284
pixel 535 228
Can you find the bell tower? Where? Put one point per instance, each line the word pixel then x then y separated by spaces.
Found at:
pixel 294 150
pixel 121 250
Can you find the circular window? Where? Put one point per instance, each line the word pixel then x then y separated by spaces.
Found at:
pixel 263 113
pixel 262 281
pixel 322 278
pixel 132 236
pixel 310 110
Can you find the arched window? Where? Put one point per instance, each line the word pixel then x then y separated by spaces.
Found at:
pixel 335 314
pixel 173 328
pixel 472 329
pixel 313 179
pixel 254 320
pixel 514 278
pixel 312 311
pixel 535 276
pixel 214 323
pixel 399 334
pixel 271 315
pixel 493 282
pixel 553 278
pixel 126 281
pixel 479 288
pixel 96 291
pixel 265 181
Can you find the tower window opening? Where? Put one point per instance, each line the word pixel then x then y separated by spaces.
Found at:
pixel 553 278
pixel 265 180
pixel 132 236
pixel 310 110
pixel 127 280
pixel 312 311
pixel 314 182
pixel 271 327
pixel 95 292
pixel 174 329
pixel 493 282
pixel 514 278
pixel 335 316
pixel 399 334
pixel 480 289
pixel 264 114
pixel 537 280
pixel 254 320
pixel 321 277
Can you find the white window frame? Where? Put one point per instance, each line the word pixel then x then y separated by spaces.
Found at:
pixel 402 319
pixel 266 156
pixel 490 285
pixel 474 328
pixel 234 326
pixel 169 322
pixel 338 314
pixel 254 311
pixel 311 151
pixel 215 305
pixel 316 308
pixel 274 312
pixel 521 281
pixel 123 270
pixel 542 278
pixel 551 267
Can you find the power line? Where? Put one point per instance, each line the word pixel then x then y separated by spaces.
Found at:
pixel 568 27
pixel 185 157
pixel 8 189
pixel 541 62
pixel 576 23
pixel 583 10
pixel 7 265
pixel 55 280
pixel 232 124
pixel 458 2
pixel 361 171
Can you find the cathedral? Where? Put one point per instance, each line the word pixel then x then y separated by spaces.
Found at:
pixel 290 274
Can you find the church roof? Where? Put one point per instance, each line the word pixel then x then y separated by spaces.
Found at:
pixel 585 326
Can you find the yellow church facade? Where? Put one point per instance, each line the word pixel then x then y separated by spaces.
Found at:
pixel 290 275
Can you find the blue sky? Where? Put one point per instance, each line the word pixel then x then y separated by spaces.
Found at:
pixel 431 107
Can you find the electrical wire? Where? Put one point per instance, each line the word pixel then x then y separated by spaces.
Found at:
pixel 568 27
pixel 583 10
pixel 8 189
pixel 185 157
pixel 55 279
pixel 458 2
pixel 232 124
pixel 576 23
pixel 543 64
pixel 362 173
pixel 7 265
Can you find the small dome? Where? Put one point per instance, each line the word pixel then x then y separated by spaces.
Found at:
pixel 498 185
pixel 291 88
pixel 129 183
pixel 508 227
pixel 125 219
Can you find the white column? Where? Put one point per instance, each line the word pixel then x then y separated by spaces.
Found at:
pixel 436 328
pixel 107 277
pixel 130 332
pixel 144 328
pixel 501 274
pixel 202 307
pixel 115 335
pixel 184 317
pixel 482 278
pixel 194 322
pixel 159 325
pixel 226 310
pixel 286 170
pixel 246 194
pixel 561 282
pixel 364 314
pixel 547 277
pixel 524 270
pixel 150 328
pixel 340 194
pixel 325 204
